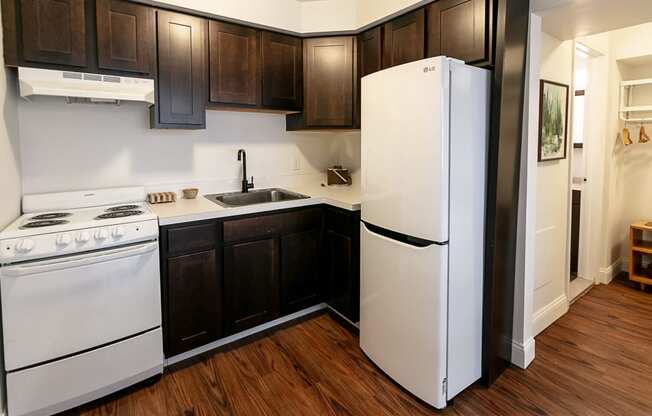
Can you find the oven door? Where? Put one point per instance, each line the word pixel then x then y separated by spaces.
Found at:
pixel 57 307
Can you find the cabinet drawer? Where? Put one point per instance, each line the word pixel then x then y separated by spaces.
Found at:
pixel 191 238
pixel 255 227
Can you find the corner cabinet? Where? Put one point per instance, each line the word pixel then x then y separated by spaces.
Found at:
pixel 404 39
pixel 54 31
pixel 126 38
pixel 282 71
pixel 460 29
pixel 182 82
pixel 234 64
pixel 329 84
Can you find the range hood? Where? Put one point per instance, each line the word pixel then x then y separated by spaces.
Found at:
pixel 84 87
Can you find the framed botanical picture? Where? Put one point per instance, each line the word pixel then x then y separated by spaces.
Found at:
pixel 553 120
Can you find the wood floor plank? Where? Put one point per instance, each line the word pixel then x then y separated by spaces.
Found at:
pixel 594 361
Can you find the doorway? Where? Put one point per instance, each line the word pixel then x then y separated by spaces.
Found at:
pixel 586 98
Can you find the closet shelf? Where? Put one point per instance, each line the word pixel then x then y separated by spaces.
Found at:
pixel 626 92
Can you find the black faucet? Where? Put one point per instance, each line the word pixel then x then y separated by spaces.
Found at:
pixel 246 185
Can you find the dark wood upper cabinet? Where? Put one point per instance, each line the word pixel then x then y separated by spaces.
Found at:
pixel 328 81
pixel 125 36
pixel 233 62
pixel 300 270
pixel 251 287
pixel 370 47
pixel 282 71
pixel 182 83
pixel 54 31
pixel 404 39
pixel 369 60
pixel 459 29
pixel 194 301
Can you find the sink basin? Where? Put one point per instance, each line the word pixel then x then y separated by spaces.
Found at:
pixel 255 196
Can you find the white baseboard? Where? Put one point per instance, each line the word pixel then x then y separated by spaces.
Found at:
pixel 606 274
pixel 545 316
pixel 523 353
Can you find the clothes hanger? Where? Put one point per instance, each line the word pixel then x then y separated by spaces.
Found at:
pixel 626 137
pixel 642 135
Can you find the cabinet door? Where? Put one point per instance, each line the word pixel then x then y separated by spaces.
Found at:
pixel 370 51
pixel 282 71
pixel 300 283
pixel 328 82
pixel 251 287
pixel 194 302
pixel 458 29
pixel 233 64
pixel 54 31
pixel 125 36
pixel 182 67
pixel 404 39
pixel 339 268
pixel 370 48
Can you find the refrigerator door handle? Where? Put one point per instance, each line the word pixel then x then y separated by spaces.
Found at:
pixel 402 238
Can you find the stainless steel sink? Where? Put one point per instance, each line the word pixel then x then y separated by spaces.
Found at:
pixel 257 196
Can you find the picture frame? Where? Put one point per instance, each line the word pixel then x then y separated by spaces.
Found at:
pixel 553 120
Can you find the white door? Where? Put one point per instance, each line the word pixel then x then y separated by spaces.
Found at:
pixel 58 307
pixel 405 149
pixel 403 318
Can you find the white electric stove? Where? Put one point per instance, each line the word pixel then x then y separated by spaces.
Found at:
pixel 80 296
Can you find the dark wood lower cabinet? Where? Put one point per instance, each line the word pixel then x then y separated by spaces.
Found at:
pixel 222 277
pixel 300 271
pixel 250 284
pixel 342 262
pixel 194 307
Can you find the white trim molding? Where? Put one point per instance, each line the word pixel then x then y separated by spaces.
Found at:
pixel 545 316
pixel 523 354
pixel 606 274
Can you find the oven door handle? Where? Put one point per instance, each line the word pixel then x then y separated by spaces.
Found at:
pixel 77 261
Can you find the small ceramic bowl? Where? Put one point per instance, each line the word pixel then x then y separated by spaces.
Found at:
pixel 190 193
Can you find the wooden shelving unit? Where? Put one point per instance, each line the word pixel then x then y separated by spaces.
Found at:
pixel 640 243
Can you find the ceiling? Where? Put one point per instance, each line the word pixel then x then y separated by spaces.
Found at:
pixel 568 19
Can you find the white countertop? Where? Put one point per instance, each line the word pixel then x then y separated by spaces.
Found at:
pixel 200 208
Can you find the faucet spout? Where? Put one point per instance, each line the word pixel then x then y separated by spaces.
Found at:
pixel 246 185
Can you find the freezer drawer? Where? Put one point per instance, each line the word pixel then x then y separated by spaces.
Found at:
pixel 62 306
pixel 403 317
pixel 72 381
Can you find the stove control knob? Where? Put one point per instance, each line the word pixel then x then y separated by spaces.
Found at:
pixel 101 234
pixel 118 232
pixel 83 237
pixel 25 246
pixel 63 240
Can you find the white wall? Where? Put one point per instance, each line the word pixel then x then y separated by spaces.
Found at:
pixel 371 10
pixel 10 175
pixel 280 14
pixel 552 203
pixel 301 16
pixel 79 146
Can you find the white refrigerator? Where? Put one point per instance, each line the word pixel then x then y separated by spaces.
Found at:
pixel 424 151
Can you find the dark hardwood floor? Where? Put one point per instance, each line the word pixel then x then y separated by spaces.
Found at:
pixel 596 360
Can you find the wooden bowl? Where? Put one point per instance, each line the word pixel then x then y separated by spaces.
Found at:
pixel 190 193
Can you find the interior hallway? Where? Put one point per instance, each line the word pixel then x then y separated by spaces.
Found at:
pixel 596 360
